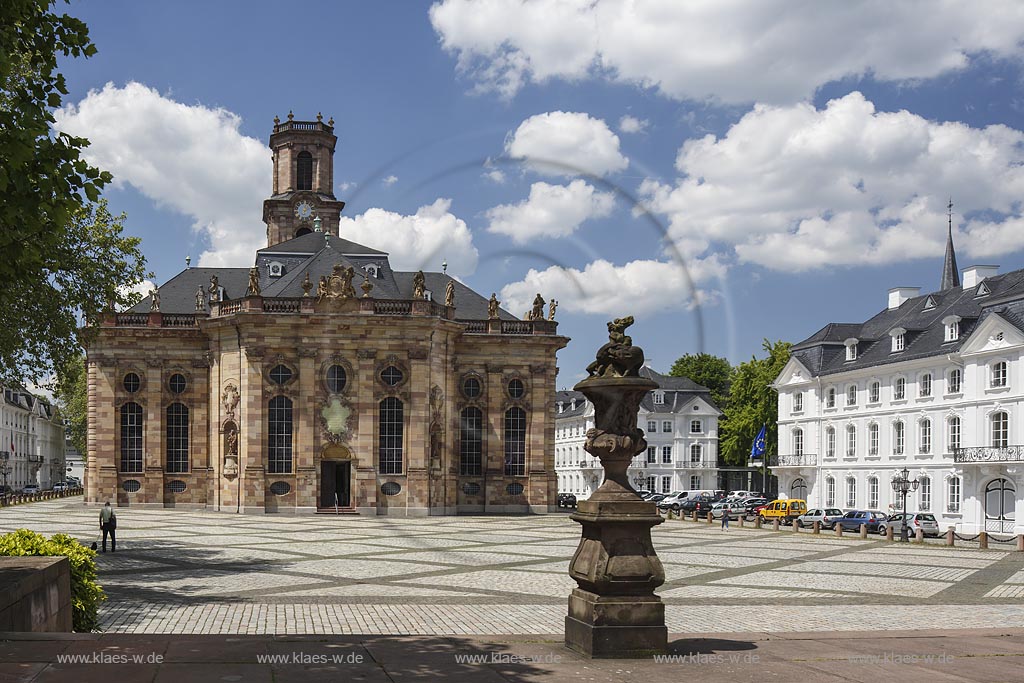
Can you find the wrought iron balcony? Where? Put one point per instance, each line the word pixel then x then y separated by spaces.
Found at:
pixel 989 454
pixel 793 460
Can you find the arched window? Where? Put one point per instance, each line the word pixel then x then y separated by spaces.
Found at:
pixel 925 440
pixel 1000 430
pixel 873 438
pixel 899 389
pixel 851 395
pixel 953 494
pixel 851 441
pixel 925 503
pixel 953 381
pixel 177 438
pixel 695 454
pixel 830 397
pixel 830 442
pixel 279 435
pixel 304 172
pixel 924 384
pixel 851 492
pixel 131 437
pixel 830 491
pixel 390 422
pixel 798 441
pixel 471 446
pixel 798 489
pixel 898 437
pixel 874 392
pixel 515 442
pixel 998 374
pixel 953 433
pixel 872 492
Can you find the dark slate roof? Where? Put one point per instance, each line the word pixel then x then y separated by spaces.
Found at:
pixel 823 353
pixel 315 254
pixel 679 391
pixel 565 397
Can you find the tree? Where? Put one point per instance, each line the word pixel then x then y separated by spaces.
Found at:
pixel 752 403
pixel 72 398
pixel 710 371
pixel 61 255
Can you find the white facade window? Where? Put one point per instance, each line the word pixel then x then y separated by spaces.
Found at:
pixel 1000 430
pixel 666 426
pixel 898 437
pixel 925 428
pixel 652 425
pixel 851 351
pixel 954 381
pixel 830 491
pixel 666 484
pixel 953 433
pixel 899 389
pixel 851 395
pixel 694 482
pixel 696 427
pixel 652 454
pixel 666 455
pixel 998 374
pixel 798 442
pixel 695 454
pixel 926 494
pixel 652 483
pixel 830 397
pixel 874 392
pixel 798 402
pixel 873 439
pixel 659 398
pixel 851 441
pixel 952 330
pixel 830 442
pixel 953 494
pixel 872 492
pixel 924 385
pixel 851 492
pixel 898 341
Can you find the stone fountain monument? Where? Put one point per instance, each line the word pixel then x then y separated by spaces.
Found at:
pixel 613 612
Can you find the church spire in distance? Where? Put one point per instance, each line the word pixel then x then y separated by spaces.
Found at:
pixel 950 274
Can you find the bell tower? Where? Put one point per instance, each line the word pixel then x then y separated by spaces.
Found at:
pixel 303 189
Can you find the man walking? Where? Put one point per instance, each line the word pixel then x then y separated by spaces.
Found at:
pixel 108 524
pixel 725 517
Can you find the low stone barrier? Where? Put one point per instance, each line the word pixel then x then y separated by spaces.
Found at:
pixel 21 498
pixel 35 594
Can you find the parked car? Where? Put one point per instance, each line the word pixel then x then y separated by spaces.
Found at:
pixel 645 494
pixel 784 510
pixel 74 482
pixel 699 504
pixel 753 506
pixel 733 509
pixel 656 497
pixel 673 501
pixel 566 500
pixel 31 488
pixel 824 516
pixel 852 520
pixel 60 487
pixel 918 520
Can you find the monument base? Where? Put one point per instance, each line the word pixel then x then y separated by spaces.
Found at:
pixel 615 626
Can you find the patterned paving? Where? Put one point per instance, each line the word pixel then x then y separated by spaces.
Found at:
pixel 187 572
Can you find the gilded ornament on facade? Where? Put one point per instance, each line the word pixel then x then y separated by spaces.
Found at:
pixel 419 287
pixel 254 282
pixel 335 418
pixel 230 400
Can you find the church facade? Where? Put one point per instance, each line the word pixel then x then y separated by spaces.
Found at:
pixel 321 379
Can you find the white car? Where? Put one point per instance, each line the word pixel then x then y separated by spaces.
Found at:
pixel 60 487
pixel 31 488
pixel 733 509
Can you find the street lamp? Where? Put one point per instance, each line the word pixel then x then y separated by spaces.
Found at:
pixel 639 478
pixel 903 484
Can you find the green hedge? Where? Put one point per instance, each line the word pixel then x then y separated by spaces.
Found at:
pixel 86 594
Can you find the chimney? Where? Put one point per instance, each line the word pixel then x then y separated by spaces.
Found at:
pixel 975 274
pixel 897 295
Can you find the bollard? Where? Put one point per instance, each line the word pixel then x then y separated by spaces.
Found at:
pixel 741 518
pixel 889 535
pixel 839 530
pixel 949 536
pixel 695 515
pixel 919 536
pixel 757 522
pixel 983 540
pixel 863 531
pixel 1020 543
pixel 816 528
pixel 710 518
pixel 796 527
pixel 775 524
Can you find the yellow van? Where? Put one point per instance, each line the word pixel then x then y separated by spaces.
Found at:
pixel 783 510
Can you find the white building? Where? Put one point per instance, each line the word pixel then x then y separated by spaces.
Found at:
pixel 681 427
pixel 31 441
pixel 933 383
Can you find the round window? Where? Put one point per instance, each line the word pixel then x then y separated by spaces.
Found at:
pixel 391 376
pixel 336 379
pixel 132 383
pixel 390 488
pixel 131 485
pixel 280 374
pixel 471 488
pixel 514 489
pixel 177 383
pixel 516 388
pixel 280 488
pixel 471 387
pixel 176 486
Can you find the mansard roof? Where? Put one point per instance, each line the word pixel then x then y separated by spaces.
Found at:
pixel 679 392
pixel 823 352
pixel 315 254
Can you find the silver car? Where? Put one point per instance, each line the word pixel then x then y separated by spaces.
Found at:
pixel 824 516
pixel 917 520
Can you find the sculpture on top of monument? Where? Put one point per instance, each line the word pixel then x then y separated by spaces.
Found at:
pixel 214 289
pixel 154 302
pixel 347 290
pixel 449 294
pixel 552 305
pixel 367 286
pixel 307 285
pixel 618 358
pixel 419 288
pixel 200 299
pixel 254 282
pixel 538 308
pixel 321 288
pixel 492 307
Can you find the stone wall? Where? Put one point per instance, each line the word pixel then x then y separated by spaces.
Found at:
pixel 35 594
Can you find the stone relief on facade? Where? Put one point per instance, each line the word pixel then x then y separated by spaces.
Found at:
pixel 230 400
pixel 336 419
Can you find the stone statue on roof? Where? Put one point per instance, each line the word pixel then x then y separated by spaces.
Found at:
pixel 538 308
pixel 449 294
pixel 154 302
pixel 492 307
pixel 254 282
pixel 321 289
pixel 419 287
pixel 200 299
pixel 552 305
pixel 214 289
pixel 347 290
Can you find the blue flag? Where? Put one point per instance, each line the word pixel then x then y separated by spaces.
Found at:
pixel 759 447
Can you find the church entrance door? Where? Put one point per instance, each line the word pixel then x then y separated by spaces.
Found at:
pixel 335 483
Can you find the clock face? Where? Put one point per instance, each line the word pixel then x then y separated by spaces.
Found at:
pixel 304 210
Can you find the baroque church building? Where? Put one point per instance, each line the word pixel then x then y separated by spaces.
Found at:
pixel 321 378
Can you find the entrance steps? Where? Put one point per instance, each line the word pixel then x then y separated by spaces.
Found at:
pixel 337 511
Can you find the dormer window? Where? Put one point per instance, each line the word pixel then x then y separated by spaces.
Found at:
pixel 983 290
pixel 659 398
pixel 929 303
pixel 276 269
pixel 951 325
pixel 428 295
pixel 372 269
pixel 572 404
pixel 561 406
pixel 898 339
pixel 851 349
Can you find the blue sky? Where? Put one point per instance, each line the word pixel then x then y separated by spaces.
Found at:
pixel 790 161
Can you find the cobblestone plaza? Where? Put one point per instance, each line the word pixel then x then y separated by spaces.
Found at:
pixel 196 572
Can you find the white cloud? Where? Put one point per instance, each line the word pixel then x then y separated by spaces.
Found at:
pixel 496 176
pixel 346 186
pixel 798 188
pixel 422 240
pixel 631 124
pixel 775 51
pixel 637 288
pixel 141 290
pixel 573 143
pixel 550 211
pixel 190 158
pixel 390 180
